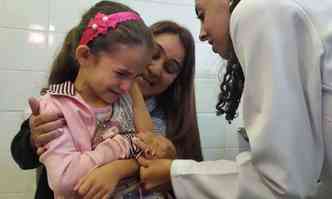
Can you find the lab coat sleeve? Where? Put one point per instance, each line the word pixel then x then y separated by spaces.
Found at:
pixel 279 50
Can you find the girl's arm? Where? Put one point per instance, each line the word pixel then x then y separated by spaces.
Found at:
pixel 35 131
pixel 67 163
pixel 142 118
pixel 104 178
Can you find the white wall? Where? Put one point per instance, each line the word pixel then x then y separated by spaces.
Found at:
pixel 30 33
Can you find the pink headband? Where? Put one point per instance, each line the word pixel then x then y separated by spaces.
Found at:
pixel 100 23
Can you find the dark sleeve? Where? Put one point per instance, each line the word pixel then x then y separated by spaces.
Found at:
pixel 23 153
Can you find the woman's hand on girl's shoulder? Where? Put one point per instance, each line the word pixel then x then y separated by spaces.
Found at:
pixel 44 127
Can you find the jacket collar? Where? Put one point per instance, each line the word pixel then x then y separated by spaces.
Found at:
pixel 66 88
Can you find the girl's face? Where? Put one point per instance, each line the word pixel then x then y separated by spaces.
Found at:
pixel 214 16
pixel 109 75
pixel 166 64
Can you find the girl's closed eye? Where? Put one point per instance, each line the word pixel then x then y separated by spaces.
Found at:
pixel 121 75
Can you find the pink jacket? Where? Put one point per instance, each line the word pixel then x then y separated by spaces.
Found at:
pixel 70 156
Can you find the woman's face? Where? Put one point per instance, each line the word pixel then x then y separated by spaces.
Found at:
pixel 214 16
pixel 166 64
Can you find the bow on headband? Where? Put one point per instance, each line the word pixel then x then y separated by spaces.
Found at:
pixel 100 24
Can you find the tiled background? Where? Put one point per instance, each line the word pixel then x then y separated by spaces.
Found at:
pixel 31 31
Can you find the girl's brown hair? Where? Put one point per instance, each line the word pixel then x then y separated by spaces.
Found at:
pixel 65 66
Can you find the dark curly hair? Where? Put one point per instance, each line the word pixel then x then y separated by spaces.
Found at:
pixel 232 85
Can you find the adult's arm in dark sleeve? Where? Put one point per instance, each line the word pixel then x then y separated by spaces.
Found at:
pixel 22 151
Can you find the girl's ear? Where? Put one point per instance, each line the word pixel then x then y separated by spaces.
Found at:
pixel 83 55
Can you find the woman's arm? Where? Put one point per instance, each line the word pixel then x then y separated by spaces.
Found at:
pixel 22 150
pixel 36 131
pixel 281 55
pixel 279 49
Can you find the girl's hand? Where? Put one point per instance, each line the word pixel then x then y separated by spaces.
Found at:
pixel 43 126
pixel 98 184
pixel 164 148
pixel 160 146
pixel 102 181
pixel 154 173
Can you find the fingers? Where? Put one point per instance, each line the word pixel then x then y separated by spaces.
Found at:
pixel 142 173
pixel 83 187
pixel 107 196
pixel 45 133
pixel 149 154
pixel 43 139
pixel 166 152
pixel 41 150
pixel 44 118
pixel 164 148
pixel 101 194
pixel 147 138
pixel 49 126
pixel 143 162
pixel 151 179
pixel 80 182
pixel 89 189
pixel 148 151
pixel 145 179
pixel 149 186
pixel 93 191
pixel 146 174
pixel 140 144
pixel 34 105
pixel 143 132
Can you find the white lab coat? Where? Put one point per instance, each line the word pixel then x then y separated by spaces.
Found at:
pixel 285 49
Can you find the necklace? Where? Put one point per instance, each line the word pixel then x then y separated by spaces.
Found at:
pixel 102 124
pixel 101 127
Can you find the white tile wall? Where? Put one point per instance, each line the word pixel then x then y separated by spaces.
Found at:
pixel 32 31
pixel 213 129
pixel 20 85
pixel 30 46
pixel 206 94
pixel 27 14
pixel 55 41
pixel 208 63
pixel 65 14
pixel 175 2
pixel 183 14
pixel 13 181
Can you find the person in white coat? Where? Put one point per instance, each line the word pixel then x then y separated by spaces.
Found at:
pixel 279 55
